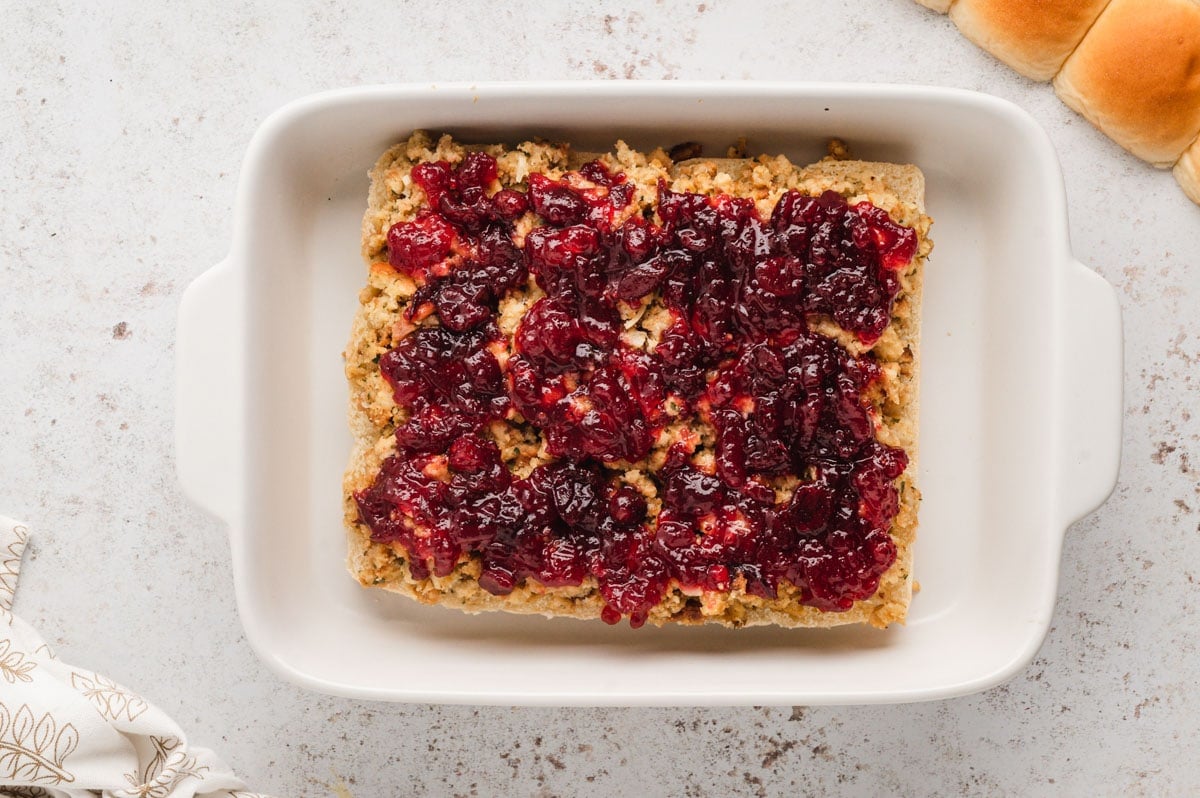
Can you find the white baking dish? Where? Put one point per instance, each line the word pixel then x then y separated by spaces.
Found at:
pixel 1020 413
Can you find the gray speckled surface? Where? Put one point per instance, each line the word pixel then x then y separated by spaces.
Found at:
pixel 121 134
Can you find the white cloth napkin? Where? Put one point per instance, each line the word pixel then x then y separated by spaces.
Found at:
pixel 66 732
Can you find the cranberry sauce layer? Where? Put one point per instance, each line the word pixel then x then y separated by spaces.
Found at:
pixel 787 483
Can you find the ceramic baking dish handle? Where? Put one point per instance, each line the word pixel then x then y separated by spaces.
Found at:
pixel 208 399
pixel 1091 392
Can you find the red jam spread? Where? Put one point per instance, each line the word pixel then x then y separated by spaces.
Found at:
pixel 738 356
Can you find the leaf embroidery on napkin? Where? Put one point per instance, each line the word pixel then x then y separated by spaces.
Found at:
pixel 170 765
pixel 33 751
pixel 10 565
pixel 109 698
pixel 13 665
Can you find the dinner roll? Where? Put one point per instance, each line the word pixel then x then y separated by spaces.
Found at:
pixel 1187 172
pixel 1033 37
pixel 1136 76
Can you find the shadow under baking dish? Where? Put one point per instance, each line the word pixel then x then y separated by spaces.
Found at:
pixel 990 528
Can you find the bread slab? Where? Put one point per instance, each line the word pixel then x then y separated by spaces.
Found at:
pixel 1136 76
pixel 1187 172
pixel 940 6
pixel 1034 37
pixel 895 188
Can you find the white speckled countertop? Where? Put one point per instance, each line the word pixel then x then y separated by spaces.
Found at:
pixel 121 135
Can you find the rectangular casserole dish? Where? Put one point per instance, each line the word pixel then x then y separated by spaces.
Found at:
pixel 1020 413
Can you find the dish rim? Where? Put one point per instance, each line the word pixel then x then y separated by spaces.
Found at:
pixel 232 505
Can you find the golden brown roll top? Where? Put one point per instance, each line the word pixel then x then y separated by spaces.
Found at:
pixel 1033 37
pixel 1136 76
